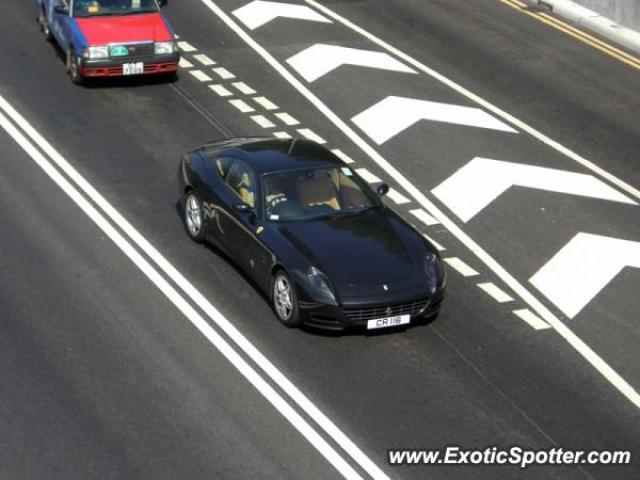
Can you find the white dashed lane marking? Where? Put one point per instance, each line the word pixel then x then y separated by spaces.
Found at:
pixel 244 88
pixel 533 320
pixel 397 197
pixel 184 63
pixel 186 47
pixel 423 216
pixel 287 119
pixel 200 75
pixel 439 247
pixel 367 176
pixel 265 103
pixel 221 90
pixel 495 292
pixel 204 60
pixel 461 267
pixel 343 156
pixel 284 135
pixel 241 105
pixel 311 135
pixel 223 73
pixel 263 121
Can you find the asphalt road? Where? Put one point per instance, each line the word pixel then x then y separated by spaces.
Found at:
pixel 103 377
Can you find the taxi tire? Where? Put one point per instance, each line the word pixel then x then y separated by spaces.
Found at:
pixel 72 68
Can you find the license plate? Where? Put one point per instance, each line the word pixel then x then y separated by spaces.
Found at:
pixel 387 322
pixel 133 68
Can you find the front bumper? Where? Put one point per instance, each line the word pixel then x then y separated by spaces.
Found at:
pixel 153 64
pixel 355 313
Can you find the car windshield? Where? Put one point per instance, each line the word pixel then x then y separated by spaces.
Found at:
pixel 309 194
pixel 97 8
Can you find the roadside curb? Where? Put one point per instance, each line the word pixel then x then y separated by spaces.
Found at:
pixel 595 22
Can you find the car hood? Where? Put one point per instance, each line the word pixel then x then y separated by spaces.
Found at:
pixel 124 28
pixel 359 254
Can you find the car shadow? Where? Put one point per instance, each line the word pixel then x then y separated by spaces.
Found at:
pixel 417 323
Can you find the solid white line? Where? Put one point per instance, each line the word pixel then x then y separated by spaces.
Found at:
pixel 204 60
pixel 254 378
pixel 311 135
pixel 264 102
pixel 200 75
pixel 287 119
pixel 397 197
pixel 263 121
pixel 367 176
pixel 472 96
pixel 221 90
pixel 342 156
pixel 186 47
pixel 244 88
pixel 220 320
pixel 495 292
pixel 241 105
pixel 461 267
pixel 518 288
pixel 184 63
pixel 423 216
pixel 533 320
pixel 223 73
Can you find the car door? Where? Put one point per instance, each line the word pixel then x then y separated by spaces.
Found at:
pixel 60 22
pixel 241 224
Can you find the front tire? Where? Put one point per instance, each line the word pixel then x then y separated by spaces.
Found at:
pixel 193 216
pixel 73 68
pixel 285 300
pixel 44 25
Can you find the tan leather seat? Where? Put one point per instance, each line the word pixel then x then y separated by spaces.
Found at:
pixel 318 191
pixel 244 190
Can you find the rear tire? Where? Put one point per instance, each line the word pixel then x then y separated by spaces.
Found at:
pixel 73 68
pixel 193 216
pixel 285 300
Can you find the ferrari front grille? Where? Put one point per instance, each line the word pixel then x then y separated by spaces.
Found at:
pixel 362 315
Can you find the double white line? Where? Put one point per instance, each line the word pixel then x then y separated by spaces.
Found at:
pixel 289 401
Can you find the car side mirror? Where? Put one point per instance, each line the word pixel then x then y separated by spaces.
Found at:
pixel 382 189
pixel 61 10
pixel 163 3
pixel 246 208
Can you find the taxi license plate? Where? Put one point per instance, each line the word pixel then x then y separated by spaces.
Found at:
pixel 387 322
pixel 133 68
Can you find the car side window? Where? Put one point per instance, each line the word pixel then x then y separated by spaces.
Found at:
pixel 223 166
pixel 242 181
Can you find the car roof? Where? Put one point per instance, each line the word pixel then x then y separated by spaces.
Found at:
pixel 271 155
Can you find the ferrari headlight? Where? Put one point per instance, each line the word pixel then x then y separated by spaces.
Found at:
pixel 163 48
pixel 94 53
pixel 434 269
pixel 319 286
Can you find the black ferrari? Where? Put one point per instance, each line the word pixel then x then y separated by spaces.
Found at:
pixel 311 233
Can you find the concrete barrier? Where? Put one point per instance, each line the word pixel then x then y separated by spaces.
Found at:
pixel 600 21
pixel 624 12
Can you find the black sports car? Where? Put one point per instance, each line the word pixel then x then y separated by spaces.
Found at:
pixel 311 233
